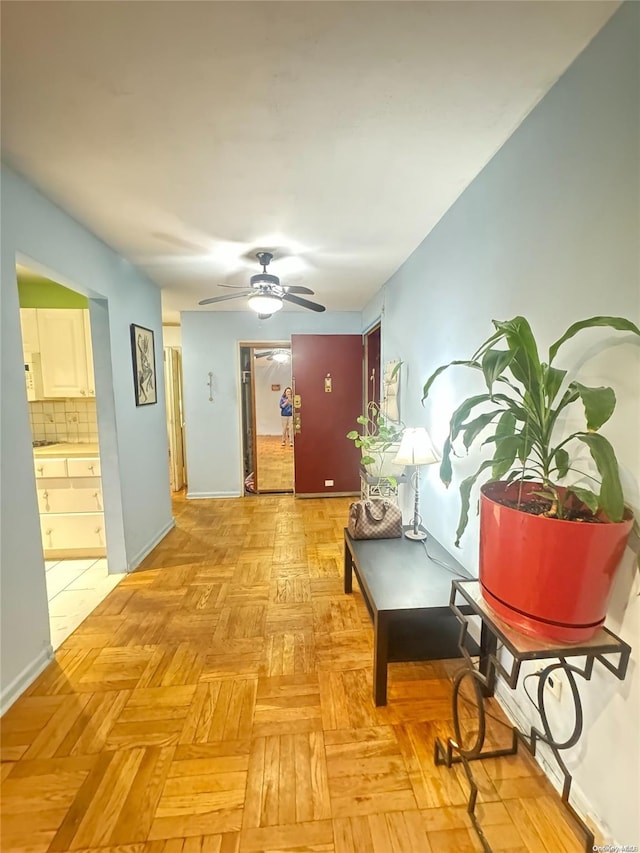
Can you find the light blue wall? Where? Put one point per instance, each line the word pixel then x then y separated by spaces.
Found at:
pixel 133 441
pixel 550 230
pixel 210 343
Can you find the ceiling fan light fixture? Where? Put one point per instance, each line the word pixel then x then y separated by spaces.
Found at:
pixel 265 303
pixel 281 356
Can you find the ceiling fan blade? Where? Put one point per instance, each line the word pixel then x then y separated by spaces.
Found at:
pixel 267 353
pixel 303 303
pixel 234 286
pixel 223 298
pixel 297 288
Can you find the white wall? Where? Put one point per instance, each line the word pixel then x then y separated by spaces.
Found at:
pixel 133 441
pixel 268 373
pixel 549 230
pixel 171 336
pixel 210 342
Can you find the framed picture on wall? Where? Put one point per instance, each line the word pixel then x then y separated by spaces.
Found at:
pixel 144 365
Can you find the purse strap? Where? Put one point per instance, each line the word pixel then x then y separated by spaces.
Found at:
pixel 369 510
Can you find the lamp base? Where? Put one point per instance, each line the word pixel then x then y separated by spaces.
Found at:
pixel 416 536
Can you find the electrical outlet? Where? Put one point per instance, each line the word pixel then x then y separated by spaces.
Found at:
pixel 552 684
pixel 328 482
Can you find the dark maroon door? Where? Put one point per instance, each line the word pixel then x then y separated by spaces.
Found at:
pixel 327 388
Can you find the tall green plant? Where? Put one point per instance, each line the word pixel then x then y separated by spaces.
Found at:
pixel 524 400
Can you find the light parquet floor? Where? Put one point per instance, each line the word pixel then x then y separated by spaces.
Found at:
pixel 275 464
pixel 219 701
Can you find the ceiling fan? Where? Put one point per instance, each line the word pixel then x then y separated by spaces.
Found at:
pixel 266 294
pixel 279 355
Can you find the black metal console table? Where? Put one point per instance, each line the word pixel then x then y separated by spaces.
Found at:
pixel 613 653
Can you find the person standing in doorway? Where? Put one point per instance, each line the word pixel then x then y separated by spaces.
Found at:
pixel 286 413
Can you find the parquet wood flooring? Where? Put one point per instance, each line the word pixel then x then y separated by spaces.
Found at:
pixel 275 464
pixel 219 701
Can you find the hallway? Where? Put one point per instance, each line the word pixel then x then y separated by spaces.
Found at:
pixel 219 699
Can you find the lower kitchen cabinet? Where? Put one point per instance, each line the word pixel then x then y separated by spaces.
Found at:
pixel 70 494
pixel 78 534
pixel 71 509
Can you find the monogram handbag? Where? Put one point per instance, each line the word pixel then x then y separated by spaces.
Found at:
pixel 375 519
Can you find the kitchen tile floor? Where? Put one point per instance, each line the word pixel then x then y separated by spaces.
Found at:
pixel 74 590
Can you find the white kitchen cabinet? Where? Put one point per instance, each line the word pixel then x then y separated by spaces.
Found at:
pixel 77 533
pixel 50 467
pixel 66 357
pixel 29 327
pixel 71 508
pixel 84 467
pixel 70 495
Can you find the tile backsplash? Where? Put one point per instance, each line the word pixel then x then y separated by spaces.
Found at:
pixel 71 420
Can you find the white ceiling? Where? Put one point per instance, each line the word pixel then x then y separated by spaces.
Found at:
pixel 189 135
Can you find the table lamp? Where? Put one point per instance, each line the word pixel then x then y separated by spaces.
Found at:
pixel 416 449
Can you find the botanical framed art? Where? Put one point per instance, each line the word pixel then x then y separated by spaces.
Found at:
pixel 144 365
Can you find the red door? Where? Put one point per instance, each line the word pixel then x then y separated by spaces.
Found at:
pixel 327 387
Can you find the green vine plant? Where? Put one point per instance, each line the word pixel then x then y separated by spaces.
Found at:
pixel 525 398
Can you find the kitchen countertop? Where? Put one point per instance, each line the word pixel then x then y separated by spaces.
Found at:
pixel 65 449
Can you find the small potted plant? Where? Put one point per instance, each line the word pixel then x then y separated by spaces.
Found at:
pixel 551 534
pixel 379 442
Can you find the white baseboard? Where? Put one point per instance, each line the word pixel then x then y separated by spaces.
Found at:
pixel 28 675
pixel 198 496
pixel 142 553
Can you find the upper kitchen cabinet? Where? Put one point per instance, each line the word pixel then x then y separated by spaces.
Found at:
pixel 29 325
pixel 65 349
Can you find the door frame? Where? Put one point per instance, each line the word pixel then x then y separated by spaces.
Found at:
pixel 252 346
pixel 376 328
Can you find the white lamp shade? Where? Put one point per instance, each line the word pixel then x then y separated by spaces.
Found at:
pixel 265 303
pixel 416 448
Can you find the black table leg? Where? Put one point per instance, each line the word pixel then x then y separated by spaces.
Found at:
pixel 380 657
pixel 348 567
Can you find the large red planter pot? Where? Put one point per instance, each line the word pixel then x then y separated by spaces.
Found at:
pixel 545 577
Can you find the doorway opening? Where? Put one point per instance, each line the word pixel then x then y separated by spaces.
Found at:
pixel 175 417
pixel 60 390
pixel 267 436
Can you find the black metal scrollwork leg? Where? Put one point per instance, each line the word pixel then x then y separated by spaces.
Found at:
pixel 455 751
pixel 555 746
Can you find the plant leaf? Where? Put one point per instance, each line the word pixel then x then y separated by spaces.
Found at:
pixel 618 323
pixel 441 369
pixel 456 424
pixel 494 363
pixel 475 427
pixel 586 496
pixel 445 466
pixel 599 403
pixel 561 458
pixel 552 379
pixel 506 451
pixel 611 497
pixel 465 498
pixel 353 434
pixel 525 365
